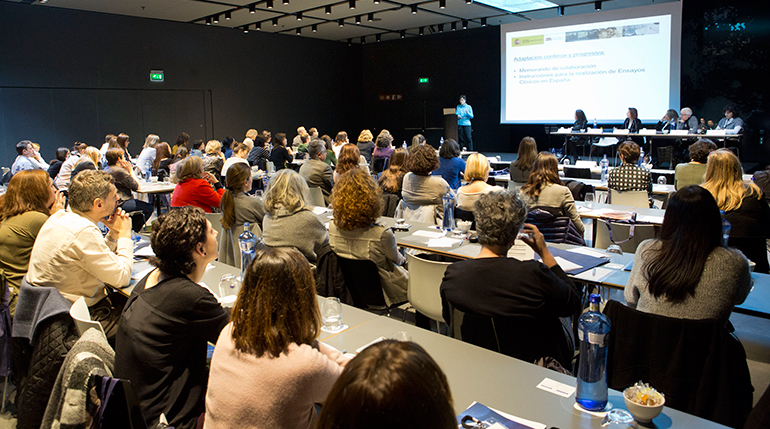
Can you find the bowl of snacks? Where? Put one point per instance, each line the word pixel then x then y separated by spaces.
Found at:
pixel 643 402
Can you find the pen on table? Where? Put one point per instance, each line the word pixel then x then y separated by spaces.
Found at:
pixel 594 273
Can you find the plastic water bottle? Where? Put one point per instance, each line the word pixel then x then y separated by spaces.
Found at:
pixel 605 164
pixel 593 327
pixel 449 211
pixel 725 229
pixel 265 181
pixel 640 161
pixel 595 126
pixel 404 144
pixel 148 171
pixel 247 242
pixel 441 143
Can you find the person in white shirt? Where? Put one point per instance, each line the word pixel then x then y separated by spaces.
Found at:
pixel 71 255
pixel 27 158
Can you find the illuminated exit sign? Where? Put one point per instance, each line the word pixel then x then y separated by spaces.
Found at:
pixel 423 80
pixel 156 75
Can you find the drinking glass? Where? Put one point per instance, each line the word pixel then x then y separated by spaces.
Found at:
pixel 566 161
pixel 331 313
pixel 401 336
pixel 399 215
pixel 589 200
pixel 614 254
pixel 464 226
pixel 259 193
pixel 228 289
pixel 662 180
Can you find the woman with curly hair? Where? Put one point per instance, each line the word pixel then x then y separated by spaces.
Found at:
pixel 744 205
pixel 268 368
pixel 544 190
pixel 169 319
pixel 355 233
pixel 392 179
pixel 422 192
pixel 348 159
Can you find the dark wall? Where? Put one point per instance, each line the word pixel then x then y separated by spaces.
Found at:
pixel 69 76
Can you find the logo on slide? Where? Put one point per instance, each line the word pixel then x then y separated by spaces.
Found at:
pixel 528 41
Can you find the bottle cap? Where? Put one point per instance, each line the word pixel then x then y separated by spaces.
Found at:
pixel 594 298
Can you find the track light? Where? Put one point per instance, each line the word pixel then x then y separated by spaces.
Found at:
pixel 258 26
pixel 370 17
pixel 468 1
pixel 315 28
pixel 358 19
pixel 598 5
pixel 442 4
pixel 328 10
pixel 227 16
pixel 465 24
pixel 422 31
pixel 245 28
pixel 216 19
pixel 414 9
pixel 252 8
pixel 299 31
pixel 285 2
pixel 208 21
pixel 483 22
pixel 275 22
pixel 375 1
pixel 441 28
pixel 403 33
pixel 269 4
pixel 454 26
pixel 299 16
pixel 379 37
pixel 363 40
pixel 342 22
pixel 352 4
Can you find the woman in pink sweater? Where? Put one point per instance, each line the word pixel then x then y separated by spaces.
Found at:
pixel 268 369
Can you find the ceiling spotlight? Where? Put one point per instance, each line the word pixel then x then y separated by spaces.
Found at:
pixel 46 1
pixel 328 10
pixel 483 22
pixel 208 21
pixel 379 37
pixel 245 28
pixel 269 4
pixel 363 40
pixel 252 8
pixel 441 28
pixel 422 31
pixel 414 9
pixel 216 19
pixel 465 24
pixel 275 22
pixel 315 28
pixel 342 22
pixel 403 33
pixel 375 1
pixel 299 16
pixel 258 26
pixel 285 2
pixel 442 4
pixel 352 4
pixel 358 19
pixel 299 31
pixel 468 1
pixel 454 26
pixel 227 16
pixel 370 17
pixel 598 5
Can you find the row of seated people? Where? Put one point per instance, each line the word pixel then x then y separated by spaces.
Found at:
pixel 168 313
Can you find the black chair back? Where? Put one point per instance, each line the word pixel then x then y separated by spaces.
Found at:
pixel 577 173
pixel 362 279
pixel 379 164
pixel 465 215
pixel 389 204
pixel 555 229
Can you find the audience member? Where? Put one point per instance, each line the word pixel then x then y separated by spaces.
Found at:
pixel 195 187
pixel 238 207
pixel 213 161
pixel 26 159
pixel 280 156
pixel 686 273
pixel 290 222
pixel 148 153
pixel 744 204
pixel 692 173
pixel 65 174
pixel 181 141
pixel 331 157
pixel 384 145
pixel 477 174
pixel 227 150
pixel 392 179
pixel 451 166
pixel 348 159
pixel 197 147
pixel 298 138
pixel 268 367
pixel 122 142
pixel 535 293
pixel 168 320
pixel 240 153
pixel 629 177
pixel 259 154
pixel 390 384
pixel 107 140
pixel 365 145
pixel 126 183
pixel 27 203
pixel 62 154
pixel 422 192
pixel 341 139
pixel 417 140
pixel 304 140
pixel 163 159
pixel 315 171
pixel 355 233
pixel 71 254
pixel 544 190
pixel 522 167
pixel 89 161
pixel 248 140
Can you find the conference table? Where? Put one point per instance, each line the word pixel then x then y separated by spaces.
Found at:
pixel 157 189
pixel 657 189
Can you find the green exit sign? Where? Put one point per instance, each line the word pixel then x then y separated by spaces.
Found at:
pixel 423 80
pixel 156 76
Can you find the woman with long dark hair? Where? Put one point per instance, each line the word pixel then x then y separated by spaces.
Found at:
pixel 580 125
pixel 544 190
pixel 686 272
pixel 521 168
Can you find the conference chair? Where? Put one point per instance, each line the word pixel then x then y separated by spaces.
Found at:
pixel 216 222
pixel 698 364
pixel 389 204
pixel 82 317
pixel 362 280
pixel 316 197
pixel 424 282
pixel 379 164
pixel 605 143
pixel 577 173
pixel 622 235
pixel 629 198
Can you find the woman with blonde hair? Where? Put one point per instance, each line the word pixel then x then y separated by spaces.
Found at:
pixel 290 222
pixel 149 152
pixel 89 161
pixel 366 145
pixel 355 233
pixel 544 190
pixel 196 187
pixel 477 174
pixel 27 203
pixel 214 159
pixel 248 140
pixel 744 205
pixel 521 168
pixel 268 368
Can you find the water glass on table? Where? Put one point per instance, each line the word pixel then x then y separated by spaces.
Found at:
pixel 614 254
pixel 589 200
pixel 228 289
pixel 662 180
pixel 331 314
